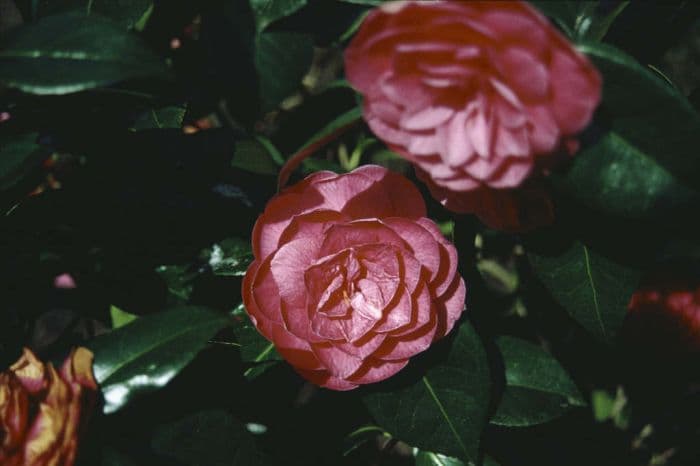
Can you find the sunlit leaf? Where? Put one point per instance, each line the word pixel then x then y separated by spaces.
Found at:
pixel 146 354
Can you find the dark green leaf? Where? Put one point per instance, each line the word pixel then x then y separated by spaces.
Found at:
pixel 281 59
pixel 72 52
pixel 208 438
pixel 648 112
pixel 537 388
pixel 616 178
pixel 178 279
pixel 18 155
pixel 255 349
pixel 126 12
pixel 269 11
pixel 230 257
pixel 445 411
pixel 112 457
pixel 643 166
pixel 166 117
pixel 253 156
pixel 428 458
pixel 592 288
pixel 147 353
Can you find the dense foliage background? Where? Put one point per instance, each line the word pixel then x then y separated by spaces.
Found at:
pixel 140 139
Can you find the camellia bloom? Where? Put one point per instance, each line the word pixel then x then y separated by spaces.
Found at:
pixel 350 279
pixel 476 94
pixel 42 411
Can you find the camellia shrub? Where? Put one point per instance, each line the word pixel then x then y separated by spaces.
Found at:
pixel 349 232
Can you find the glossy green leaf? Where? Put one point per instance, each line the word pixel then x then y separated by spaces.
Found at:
pixel 229 257
pixel 208 438
pixel 445 411
pixel 281 59
pixel 73 52
pixel 18 155
pixel 537 388
pixel 256 351
pixel 146 354
pixel 269 11
pixel 166 117
pixel 592 288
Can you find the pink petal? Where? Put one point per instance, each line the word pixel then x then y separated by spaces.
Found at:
pixel 512 142
pixel 511 174
pixel 260 292
pixel 449 258
pixel 358 233
pixel 452 303
pixel 421 242
pixel 524 72
pixel 424 312
pixel 337 362
pixel 427 118
pixel 375 370
pixel 458 147
pixel 288 265
pixel 325 328
pixel 294 350
pixel 363 347
pixel 422 144
pixel 356 326
pixel 311 224
pixel 368 300
pixel 407 346
pixel 544 131
pixel 324 379
pixel 398 314
pixel 480 132
pixel 404 199
pixel 575 91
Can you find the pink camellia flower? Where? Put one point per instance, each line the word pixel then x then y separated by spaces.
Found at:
pixel 476 94
pixel 43 411
pixel 350 279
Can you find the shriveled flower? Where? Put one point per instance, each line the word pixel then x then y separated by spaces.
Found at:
pixel 476 94
pixel 42 410
pixel 350 279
